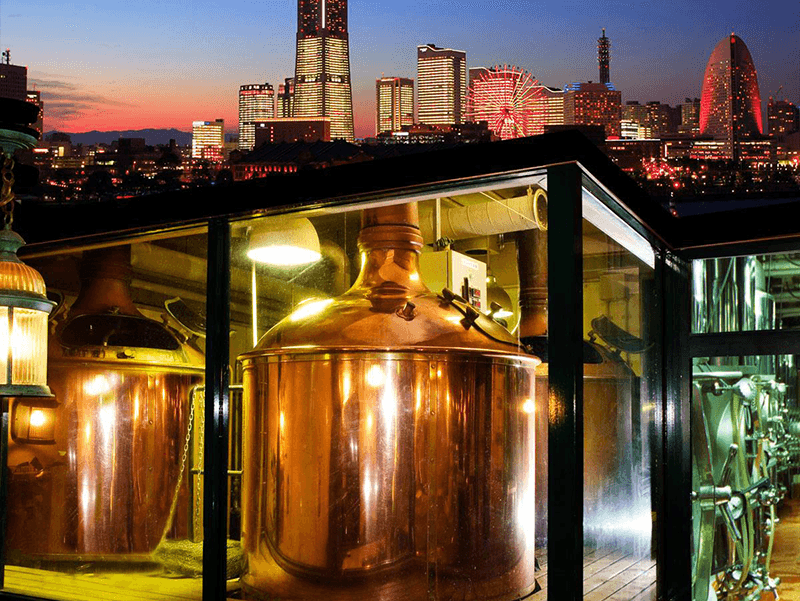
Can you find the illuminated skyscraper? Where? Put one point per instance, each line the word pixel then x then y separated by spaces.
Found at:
pixel 604 57
pixel 208 139
pixel 441 85
pixel 35 97
pixel 730 105
pixel 256 103
pixel 286 98
pixel 322 72
pixel 593 104
pixel 549 108
pixel 394 103
pixel 690 116
pixel 783 117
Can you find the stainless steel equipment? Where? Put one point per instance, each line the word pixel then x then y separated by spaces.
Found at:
pixel 103 491
pixel 389 442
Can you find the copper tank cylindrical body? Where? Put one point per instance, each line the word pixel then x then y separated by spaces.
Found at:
pixel 388 442
pixel 103 490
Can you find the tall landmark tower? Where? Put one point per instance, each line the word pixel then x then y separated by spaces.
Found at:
pixel 604 57
pixel 322 73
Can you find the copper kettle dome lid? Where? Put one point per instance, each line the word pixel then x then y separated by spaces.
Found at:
pixel 388 307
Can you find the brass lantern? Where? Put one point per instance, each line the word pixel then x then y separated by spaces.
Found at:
pixel 23 323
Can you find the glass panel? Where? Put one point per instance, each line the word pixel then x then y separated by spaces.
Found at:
pixel 745 450
pixel 619 402
pixel 28 341
pixel 4 340
pixel 102 495
pixel 394 438
pixel 760 292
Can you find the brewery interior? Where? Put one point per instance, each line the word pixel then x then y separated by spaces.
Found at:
pixel 390 440
pixel 392 419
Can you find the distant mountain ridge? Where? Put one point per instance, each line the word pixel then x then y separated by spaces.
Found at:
pixel 152 137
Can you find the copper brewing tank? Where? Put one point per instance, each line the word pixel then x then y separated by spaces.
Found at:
pixel 388 442
pixel 103 490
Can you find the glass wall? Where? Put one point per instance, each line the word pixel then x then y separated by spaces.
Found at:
pixel 619 405
pixel 745 444
pixel 739 294
pixel 394 407
pixel 105 480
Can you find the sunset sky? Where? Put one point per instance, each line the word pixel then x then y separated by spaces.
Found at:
pixel 123 64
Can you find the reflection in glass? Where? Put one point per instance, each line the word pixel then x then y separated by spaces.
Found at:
pixel 619 409
pixel 98 479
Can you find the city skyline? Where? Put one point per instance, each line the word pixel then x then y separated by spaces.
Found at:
pixel 166 64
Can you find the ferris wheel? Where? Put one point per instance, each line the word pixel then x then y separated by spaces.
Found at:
pixel 506 97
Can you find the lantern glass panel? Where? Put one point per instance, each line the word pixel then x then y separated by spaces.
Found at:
pixel 29 347
pixel 4 340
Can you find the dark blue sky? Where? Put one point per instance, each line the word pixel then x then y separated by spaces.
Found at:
pixel 124 64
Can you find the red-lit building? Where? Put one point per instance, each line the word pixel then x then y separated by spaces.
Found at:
pixel 730 105
pixel 310 129
pixel 593 104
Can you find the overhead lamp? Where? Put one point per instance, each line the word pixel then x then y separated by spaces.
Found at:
pixel 284 242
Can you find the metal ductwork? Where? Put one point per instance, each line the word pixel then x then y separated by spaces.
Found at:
pixel 499 216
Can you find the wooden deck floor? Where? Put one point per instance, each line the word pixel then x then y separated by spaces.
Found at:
pixel 610 575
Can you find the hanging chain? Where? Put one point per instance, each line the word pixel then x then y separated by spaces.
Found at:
pixel 174 504
pixel 7 192
pixel 201 428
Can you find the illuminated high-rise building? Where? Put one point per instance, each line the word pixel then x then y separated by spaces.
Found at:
pixel 208 140
pixel 322 72
pixel 394 106
pixel 256 103
pixel 783 117
pixel 604 57
pixel 549 109
pixel 286 98
pixel 441 85
pixel 13 79
pixel 730 105
pixel 593 104
pixel 690 116
pixel 662 118
pixel 634 112
pixel 35 97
